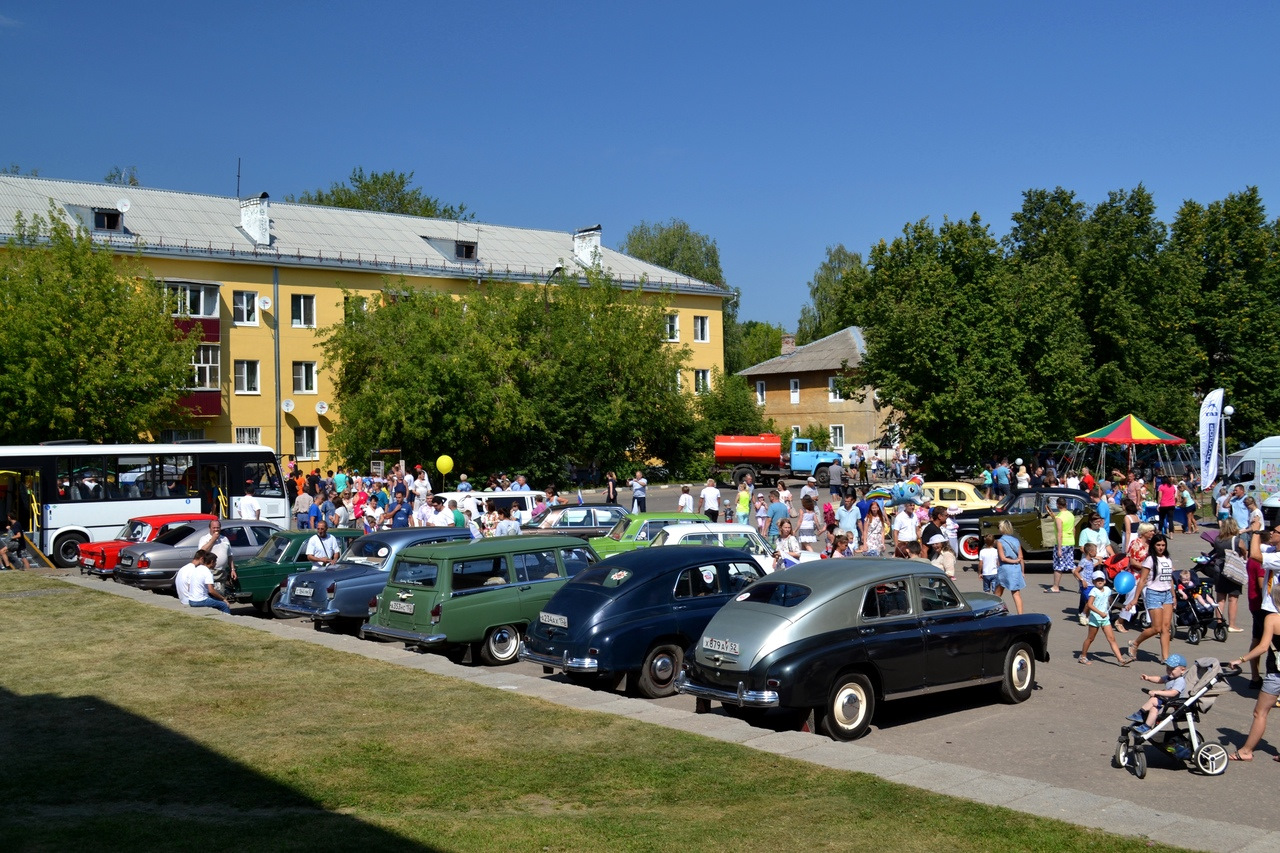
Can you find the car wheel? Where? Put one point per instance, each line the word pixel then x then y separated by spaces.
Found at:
pixel 970 545
pixel 66 549
pixel 1193 635
pixel 1019 674
pixel 501 645
pixel 850 707
pixel 658 673
pixel 273 605
pixel 1220 633
pixel 1211 759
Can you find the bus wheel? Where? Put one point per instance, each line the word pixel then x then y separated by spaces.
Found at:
pixel 66 549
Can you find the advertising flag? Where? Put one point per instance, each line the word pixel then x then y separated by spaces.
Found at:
pixel 1210 426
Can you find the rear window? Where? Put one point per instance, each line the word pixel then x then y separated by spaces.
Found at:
pixel 416 573
pixel 605 576
pixel 777 594
pixel 176 535
pixel 577 559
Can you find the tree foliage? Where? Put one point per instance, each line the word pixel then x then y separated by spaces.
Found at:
pixel 90 348
pixel 387 192
pixel 838 296
pixel 126 176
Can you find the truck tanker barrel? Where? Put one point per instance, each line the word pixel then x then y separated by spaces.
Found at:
pixel 764 450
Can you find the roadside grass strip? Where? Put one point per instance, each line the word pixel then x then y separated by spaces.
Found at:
pixel 124 727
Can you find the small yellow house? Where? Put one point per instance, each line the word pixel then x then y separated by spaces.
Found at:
pixel 260 277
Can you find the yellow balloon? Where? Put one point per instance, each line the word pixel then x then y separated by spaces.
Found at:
pixel 444 464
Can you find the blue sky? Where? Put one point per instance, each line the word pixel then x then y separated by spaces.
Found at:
pixel 778 129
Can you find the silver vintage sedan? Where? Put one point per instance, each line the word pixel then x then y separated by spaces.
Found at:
pixel 152 565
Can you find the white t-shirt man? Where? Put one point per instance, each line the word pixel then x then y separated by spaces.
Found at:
pixel 220 547
pixel 250 508
pixel 904 525
pixel 192 582
pixel 422 487
pixel 710 499
pixel 326 547
pixel 442 517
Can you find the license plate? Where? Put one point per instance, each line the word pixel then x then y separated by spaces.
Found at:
pixel 711 644
pixel 554 619
pixel 304 592
pixel 88 561
pixel 400 606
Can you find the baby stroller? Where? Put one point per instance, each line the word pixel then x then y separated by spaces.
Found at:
pixel 1199 620
pixel 1175 730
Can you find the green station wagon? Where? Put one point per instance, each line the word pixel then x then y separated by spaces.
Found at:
pixel 285 553
pixel 638 530
pixel 475 597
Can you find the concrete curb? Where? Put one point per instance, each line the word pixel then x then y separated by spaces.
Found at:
pixel 1030 796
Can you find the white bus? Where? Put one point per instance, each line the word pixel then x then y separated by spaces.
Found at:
pixel 65 494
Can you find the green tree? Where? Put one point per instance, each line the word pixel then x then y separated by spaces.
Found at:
pixel 819 435
pixel 759 342
pixel 388 192
pixel 127 176
pixel 90 348
pixel 15 169
pixel 838 295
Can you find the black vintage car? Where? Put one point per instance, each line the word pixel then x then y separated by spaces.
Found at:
pixel 838 636
pixel 1023 509
pixel 635 614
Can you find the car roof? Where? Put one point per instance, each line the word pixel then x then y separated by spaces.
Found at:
pixel 654 561
pixel 832 577
pixel 492 546
pixel 951 483
pixel 157 520
pixel 344 532
pixel 400 534
pixel 717 527
pixel 650 516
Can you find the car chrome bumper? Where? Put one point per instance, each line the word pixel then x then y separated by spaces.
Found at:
pixel 97 572
pixel 319 615
pixel 413 638
pixel 564 662
pixel 742 697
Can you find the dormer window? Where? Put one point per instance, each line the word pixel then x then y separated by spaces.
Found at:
pixel 464 250
pixel 106 219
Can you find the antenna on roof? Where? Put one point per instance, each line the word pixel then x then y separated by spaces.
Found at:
pixel 237 177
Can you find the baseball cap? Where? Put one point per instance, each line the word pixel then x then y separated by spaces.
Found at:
pixel 1175 660
pixel 1099 576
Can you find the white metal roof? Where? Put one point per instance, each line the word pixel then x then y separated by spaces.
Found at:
pixel 170 223
pixel 823 354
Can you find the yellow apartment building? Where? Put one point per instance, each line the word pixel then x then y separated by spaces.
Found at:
pixel 261 277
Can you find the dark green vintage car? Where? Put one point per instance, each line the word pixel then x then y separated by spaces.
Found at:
pixel 258 579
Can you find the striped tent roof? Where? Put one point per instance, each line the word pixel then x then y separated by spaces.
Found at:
pixel 1130 430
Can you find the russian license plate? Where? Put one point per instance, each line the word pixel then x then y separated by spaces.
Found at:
pixel 400 606
pixel 711 644
pixel 304 592
pixel 88 561
pixel 553 619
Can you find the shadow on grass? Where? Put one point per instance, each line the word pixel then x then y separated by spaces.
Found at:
pixel 79 773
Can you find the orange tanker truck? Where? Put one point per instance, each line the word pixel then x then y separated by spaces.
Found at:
pixel 761 456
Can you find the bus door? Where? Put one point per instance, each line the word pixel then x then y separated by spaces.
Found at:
pixel 20 495
pixel 214 497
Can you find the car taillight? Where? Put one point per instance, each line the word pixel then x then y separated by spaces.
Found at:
pixel 332 589
pixel 773 683
pixel 435 614
pixel 144 562
pixel 373 603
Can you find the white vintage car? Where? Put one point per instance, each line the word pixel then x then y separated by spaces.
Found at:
pixel 740 537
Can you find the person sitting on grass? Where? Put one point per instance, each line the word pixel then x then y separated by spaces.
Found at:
pixel 1098 614
pixel 195 587
pixel 1175 685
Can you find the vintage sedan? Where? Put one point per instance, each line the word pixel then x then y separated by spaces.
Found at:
pixel 99 558
pixel 963 495
pixel 638 530
pixel 739 537
pixel 152 565
pixel 837 639
pixel 586 521
pixel 474 599
pixel 285 553
pixel 1028 504
pixel 339 596
pixel 1030 512
pixel 635 614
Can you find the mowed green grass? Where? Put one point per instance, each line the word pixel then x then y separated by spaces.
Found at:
pixel 129 727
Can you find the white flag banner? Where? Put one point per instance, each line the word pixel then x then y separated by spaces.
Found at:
pixel 1210 427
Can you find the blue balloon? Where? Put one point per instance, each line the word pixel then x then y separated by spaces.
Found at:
pixel 1124 583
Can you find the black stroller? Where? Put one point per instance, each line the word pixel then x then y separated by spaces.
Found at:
pixel 1176 729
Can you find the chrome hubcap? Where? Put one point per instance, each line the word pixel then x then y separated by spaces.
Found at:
pixel 662 669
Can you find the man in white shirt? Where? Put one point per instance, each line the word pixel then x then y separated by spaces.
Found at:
pixel 195 587
pixel 440 515
pixel 421 487
pixel 711 501
pixel 322 548
pixel 249 506
pixel 218 545
pixel 904 529
pixel 810 489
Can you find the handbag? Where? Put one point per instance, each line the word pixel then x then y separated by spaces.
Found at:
pixel 1233 565
pixel 1049 531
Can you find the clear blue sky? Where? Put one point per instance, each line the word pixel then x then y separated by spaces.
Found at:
pixel 778 129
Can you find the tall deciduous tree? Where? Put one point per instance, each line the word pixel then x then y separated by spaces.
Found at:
pixel 838 294
pixel 90 349
pixel 388 192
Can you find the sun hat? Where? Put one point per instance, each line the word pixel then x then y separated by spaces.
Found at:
pixel 936 539
pixel 954 509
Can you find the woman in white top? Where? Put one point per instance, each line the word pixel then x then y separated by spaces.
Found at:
pixel 1023 478
pixel 787 549
pixel 1255 514
pixel 808 533
pixel 1155 585
pixel 685 503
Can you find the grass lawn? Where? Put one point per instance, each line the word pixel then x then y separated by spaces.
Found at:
pixel 129 727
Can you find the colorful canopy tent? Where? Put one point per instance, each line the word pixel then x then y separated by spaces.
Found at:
pixel 1128 431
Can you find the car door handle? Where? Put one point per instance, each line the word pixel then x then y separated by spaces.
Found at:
pixel 527 586
pixel 681 607
pixel 866 631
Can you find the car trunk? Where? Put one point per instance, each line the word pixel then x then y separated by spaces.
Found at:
pixel 737 637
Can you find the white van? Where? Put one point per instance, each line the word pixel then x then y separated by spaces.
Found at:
pixel 522 501
pixel 1257 468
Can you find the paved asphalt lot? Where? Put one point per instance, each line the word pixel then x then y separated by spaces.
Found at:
pixel 1060 740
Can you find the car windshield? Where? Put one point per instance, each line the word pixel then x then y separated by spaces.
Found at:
pixel 661 538
pixel 176 535
pixel 274 550
pixel 618 530
pixel 134 531
pixel 368 552
pixel 748 543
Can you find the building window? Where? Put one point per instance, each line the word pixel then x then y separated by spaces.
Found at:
pixel 833 392
pixel 795 392
pixel 106 219
pixel 173 436
pixel 701 330
pixel 304 377
pixel 244 307
pixel 304 443
pixel 246 377
pixel 193 300
pixel 207 363
pixel 673 328
pixel 837 436
pixel 795 432
pixel 248 435
pixel 760 393
pixel 304 311
pixel 701 381
pixel 464 250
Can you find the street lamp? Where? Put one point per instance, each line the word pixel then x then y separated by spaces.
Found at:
pixel 1227 412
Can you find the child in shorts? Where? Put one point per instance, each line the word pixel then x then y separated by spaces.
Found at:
pixel 989 561
pixel 1098 614
pixel 1175 684
pixel 1084 574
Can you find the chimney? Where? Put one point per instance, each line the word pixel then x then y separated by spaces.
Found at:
pixel 255 219
pixel 788 344
pixel 586 245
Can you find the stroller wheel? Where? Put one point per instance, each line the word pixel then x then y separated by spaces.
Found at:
pixel 1121 756
pixel 1220 632
pixel 1193 635
pixel 1211 759
pixel 1139 761
pixel 1144 620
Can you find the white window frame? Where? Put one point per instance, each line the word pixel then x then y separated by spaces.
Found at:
pixel 173 436
pixel 206 368
pixel 701 381
pixel 185 295
pixel 833 393
pixel 243 371
pixel 795 431
pixel 760 392
pixel 248 435
pixel 308 373
pixel 673 328
pixel 831 432
pixel 701 329
pixel 244 307
pixel 301 305
pixel 305 444
pixel 679 381
pixel 795 392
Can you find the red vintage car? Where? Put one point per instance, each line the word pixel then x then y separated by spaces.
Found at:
pixel 99 558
